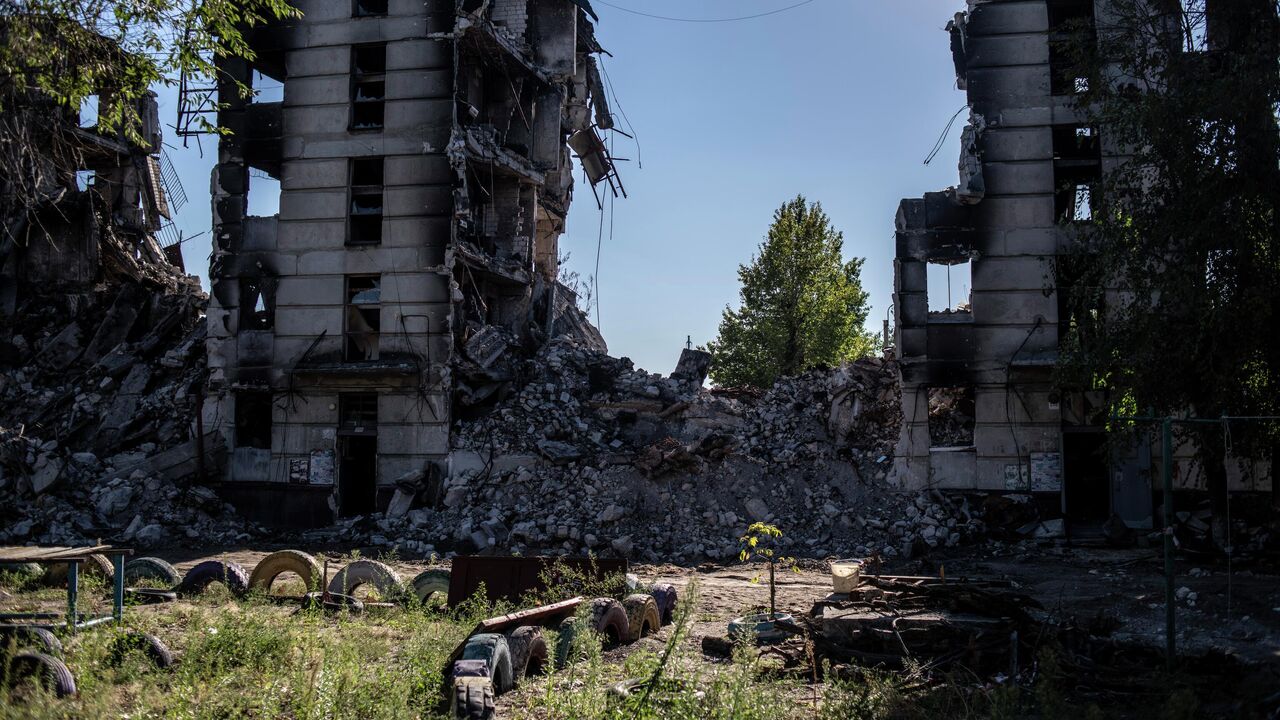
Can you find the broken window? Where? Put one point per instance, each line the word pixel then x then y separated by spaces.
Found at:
pixel 253 419
pixel 369 8
pixel 266 89
pixel 365 214
pixel 257 304
pixel 263 197
pixel 364 317
pixel 949 286
pixel 1077 171
pixel 84 179
pixel 1067 20
pixel 89 111
pixel 951 416
pixel 369 87
pixel 358 412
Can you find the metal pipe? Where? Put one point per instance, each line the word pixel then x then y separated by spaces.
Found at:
pixel 117 594
pixel 73 594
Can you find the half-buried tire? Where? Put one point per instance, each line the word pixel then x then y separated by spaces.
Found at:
pixel 99 566
pixel 46 669
pixel 28 637
pixel 430 584
pixel 151 568
pixel 369 572
pixel 131 641
pixel 665 596
pixel 642 616
pixel 473 699
pixel 528 650
pixel 492 649
pixel 278 563
pixel 609 618
pixel 226 572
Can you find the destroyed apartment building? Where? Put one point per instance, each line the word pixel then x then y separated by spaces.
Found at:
pixel 423 159
pixel 980 407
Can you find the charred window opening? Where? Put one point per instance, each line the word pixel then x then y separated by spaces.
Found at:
pixel 257 304
pixel 369 8
pixel 365 214
pixel 1077 171
pixel 89 111
pixel 368 86
pixel 263 196
pixel 1071 22
pixel 358 413
pixel 266 89
pixel 253 420
pixel 85 179
pixel 949 286
pixel 951 416
pixel 364 317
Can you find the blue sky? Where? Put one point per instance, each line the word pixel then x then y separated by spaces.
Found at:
pixel 838 100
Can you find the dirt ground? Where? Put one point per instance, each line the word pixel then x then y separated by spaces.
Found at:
pixel 1236 609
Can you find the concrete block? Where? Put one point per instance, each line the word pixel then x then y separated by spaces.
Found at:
pixel 419 54
pixel 313 61
pixel 367 30
pixel 300 122
pixel 304 235
pixel 414 288
pixel 1002 50
pixel 315 174
pixel 309 321
pixel 1022 178
pixel 367 261
pixel 431 119
pixel 1003 18
pixel 1018 144
pixel 348 145
pixel 433 169
pixel 417 200
pixel 314 11
pixel 1003 341
pixel 411 84
pixel 313 205
pixel 254 348
pixel 1007 87
pixel 319 433
pixel 310 290
pixel 1030 211
pixel 1012 273
pixel 317 90
pixel 291 347
pixel 1023 241
pixel 260 233
pixel 1022 307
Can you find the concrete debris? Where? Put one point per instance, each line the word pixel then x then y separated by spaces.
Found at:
pixel 100 445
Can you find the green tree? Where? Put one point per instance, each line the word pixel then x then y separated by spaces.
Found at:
pixel 1174 291
pixel 801 305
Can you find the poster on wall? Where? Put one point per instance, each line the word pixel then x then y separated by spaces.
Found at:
pixel 299 470
pixel 1046 472
pixel 322 464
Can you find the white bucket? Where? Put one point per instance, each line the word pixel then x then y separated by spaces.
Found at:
pixel 845 575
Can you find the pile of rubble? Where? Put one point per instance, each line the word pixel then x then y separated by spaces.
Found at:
pixel 97 403
pixel 591 454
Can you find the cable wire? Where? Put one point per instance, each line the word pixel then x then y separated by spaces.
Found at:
pixel 942 140
pixel 706 20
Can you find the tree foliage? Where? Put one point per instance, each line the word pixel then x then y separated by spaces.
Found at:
pixel 802 305
pixel 1173 291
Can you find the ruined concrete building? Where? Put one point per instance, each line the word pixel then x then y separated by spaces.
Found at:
pixel 980 408
pixel 422 153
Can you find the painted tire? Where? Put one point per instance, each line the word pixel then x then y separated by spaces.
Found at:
pixel 277 563
pixel 642 616
pixel 473 699
pixel 100 566
pixel 228 573
pixel 665 595
pixel 28 637
pixel 492 648
pixel 528 651
pixel 52 672
pixel 566 634
pixel 368 572
pixel 131 641
pixel 151 568
pixel 609 618
pixel 429 583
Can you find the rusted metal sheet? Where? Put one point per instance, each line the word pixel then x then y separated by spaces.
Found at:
pixel 510 578
pixel 20 554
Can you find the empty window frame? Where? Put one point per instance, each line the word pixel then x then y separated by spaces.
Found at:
pixel 369 8
pixel 363 317
pixel 1077 171
pixel 951 416
pixel 364 220
pixel 358 413
pixel 257 303
pixel 368 86
pixel 253 419
pixel 1071 22
pixel 949 286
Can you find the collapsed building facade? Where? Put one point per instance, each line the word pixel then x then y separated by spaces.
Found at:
pixel 423 154
pixel 981 410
